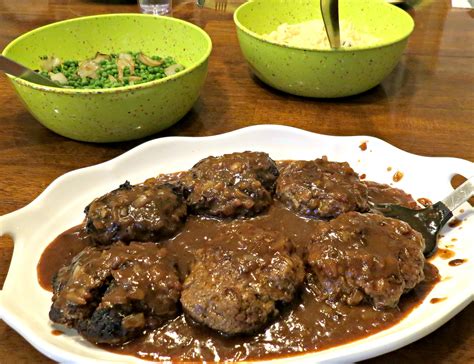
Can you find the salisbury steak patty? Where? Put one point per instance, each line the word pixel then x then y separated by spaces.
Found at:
pixel 144 212
pixel 383 193
pixel 113 294
pixel 237 184
pixel 235 286
pixel 358 257
pixel 321 188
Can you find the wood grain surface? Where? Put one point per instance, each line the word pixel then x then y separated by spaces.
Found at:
pixel 425 107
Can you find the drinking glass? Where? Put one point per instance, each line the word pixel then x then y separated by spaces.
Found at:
pixel 156 7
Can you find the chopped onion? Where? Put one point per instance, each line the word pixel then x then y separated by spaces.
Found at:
pixel 50 63
pixel 171 70
pixel 121 64
pixel 148 61
pixel 99 57
pixel 126 57
pixel 88 68
pixel 133 79
pixel 58 77
pixel 125 60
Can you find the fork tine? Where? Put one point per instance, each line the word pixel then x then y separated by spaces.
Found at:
pixel 220 5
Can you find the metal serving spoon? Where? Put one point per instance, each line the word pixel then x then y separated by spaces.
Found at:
pixel 18 70
pixel 430 220
pixel 330 13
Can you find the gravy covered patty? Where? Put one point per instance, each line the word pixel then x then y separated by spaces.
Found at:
pixel 365 257
pixel 380 193
pixel 237 184
pixel 321 188
pixel 113 294
pixel 235 286
pixel 144 212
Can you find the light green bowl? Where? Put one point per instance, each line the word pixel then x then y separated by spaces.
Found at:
pixel 117 114
pixel 322 73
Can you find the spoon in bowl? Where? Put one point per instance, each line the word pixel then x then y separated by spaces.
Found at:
pixel 15 69
pixel 430 220
pixel 330 13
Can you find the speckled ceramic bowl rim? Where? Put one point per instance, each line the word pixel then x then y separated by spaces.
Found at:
pixel 122 89
pixel 340 50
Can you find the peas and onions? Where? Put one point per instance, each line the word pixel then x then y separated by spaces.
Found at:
pixel 109 70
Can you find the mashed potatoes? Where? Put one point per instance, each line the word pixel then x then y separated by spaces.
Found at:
pixel 312 35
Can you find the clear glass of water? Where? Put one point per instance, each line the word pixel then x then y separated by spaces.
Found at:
pixel 156 7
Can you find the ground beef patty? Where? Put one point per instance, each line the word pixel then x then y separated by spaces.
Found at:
pixel 358 257
pixel 114 293
pixel 236 286
pixel 321 188
pixel 146 212
pixel 383 193
pixel 237 184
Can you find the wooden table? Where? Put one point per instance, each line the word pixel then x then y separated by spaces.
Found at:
pixel 425 107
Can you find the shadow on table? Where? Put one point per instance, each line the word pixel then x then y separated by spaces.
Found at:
pixel 188 125
pixel 196 122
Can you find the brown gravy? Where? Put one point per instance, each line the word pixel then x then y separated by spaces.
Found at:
pixel 397 177
pixel 454 223
pixel 456 262
pixel 304 326
pixel 57 332
pixel 60 252
pixel 445 253
pixel 437 300
pixel 425 201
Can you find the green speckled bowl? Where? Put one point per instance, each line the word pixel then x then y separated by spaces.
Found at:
pixel 117 114
pixel 322 73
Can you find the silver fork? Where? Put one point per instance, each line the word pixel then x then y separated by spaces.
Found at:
pixel 221 5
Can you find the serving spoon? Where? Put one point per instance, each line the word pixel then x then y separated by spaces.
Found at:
pixel 15 69
pixel 330 13
pixel 430 220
